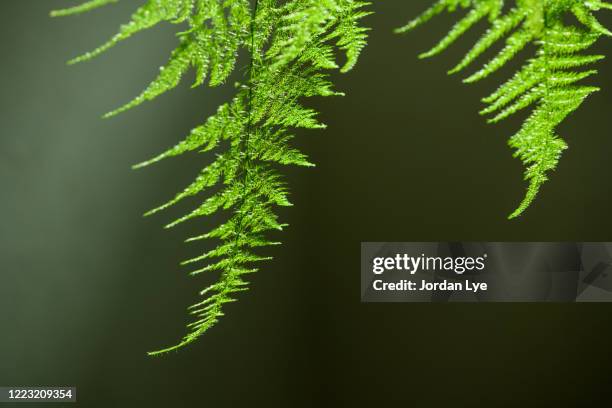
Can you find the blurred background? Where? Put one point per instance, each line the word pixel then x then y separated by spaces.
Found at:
pixel 87 285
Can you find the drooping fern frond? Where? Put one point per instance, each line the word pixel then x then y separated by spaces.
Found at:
pixel 290 45
pixel 549 81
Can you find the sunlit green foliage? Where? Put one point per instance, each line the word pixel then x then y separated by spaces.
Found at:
pixel 548 81
pixel 290 44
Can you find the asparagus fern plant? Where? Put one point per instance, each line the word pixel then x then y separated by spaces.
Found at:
pixel 550 81
pixel 291 45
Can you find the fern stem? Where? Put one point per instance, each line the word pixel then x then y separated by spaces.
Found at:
pixel 245 142
pixel 249 128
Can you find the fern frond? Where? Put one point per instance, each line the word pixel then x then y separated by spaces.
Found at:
pixel 291 45
pixel 351 36
pixel 168 78
pixel 146 16
pixel 549 82
pixel 479 11
pixel 439 7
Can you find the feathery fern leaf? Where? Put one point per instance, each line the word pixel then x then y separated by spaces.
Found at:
pixel 549 81
pixel 291 45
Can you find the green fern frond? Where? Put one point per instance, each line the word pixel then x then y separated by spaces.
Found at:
pixel 146 16
pixel 550 82
pixel 291 46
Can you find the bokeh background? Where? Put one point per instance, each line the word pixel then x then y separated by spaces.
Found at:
pixel 87 285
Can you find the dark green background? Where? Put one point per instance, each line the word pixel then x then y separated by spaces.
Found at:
pixel 87 285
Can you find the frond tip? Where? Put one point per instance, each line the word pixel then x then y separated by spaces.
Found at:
pixel 291 46
pixel 549 82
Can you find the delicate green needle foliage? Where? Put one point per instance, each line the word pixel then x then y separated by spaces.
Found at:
pixel 549 81
pixel 291 44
